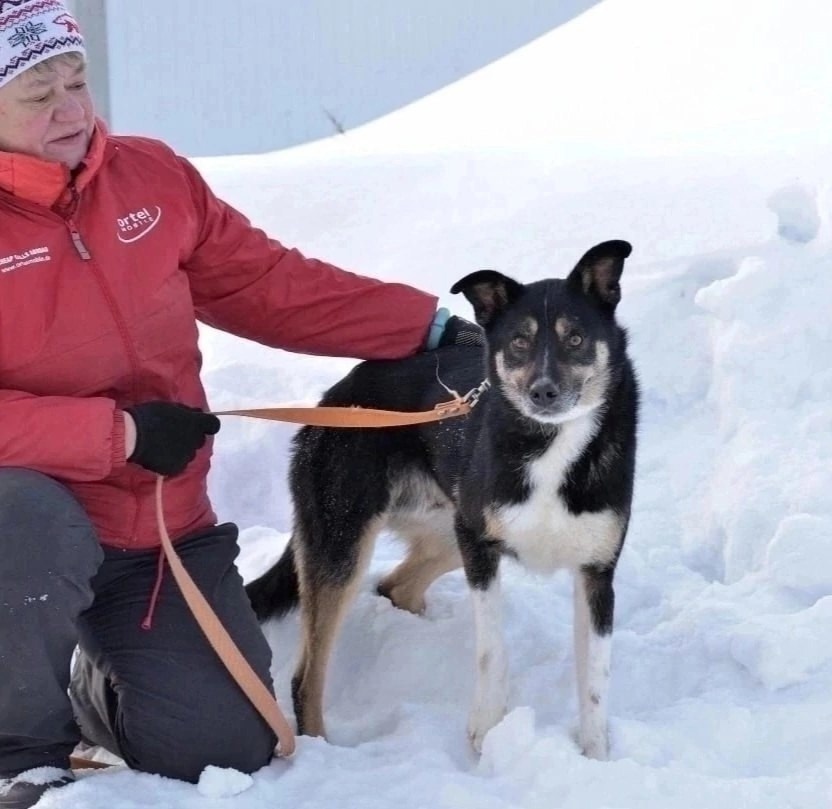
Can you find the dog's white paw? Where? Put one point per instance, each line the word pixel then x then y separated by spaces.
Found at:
pixel 482 719
pixel 595 745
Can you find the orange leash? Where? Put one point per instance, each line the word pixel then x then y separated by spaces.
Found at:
pixel 207 619
pixel 364 416
pixel 221 641
pixel 216 634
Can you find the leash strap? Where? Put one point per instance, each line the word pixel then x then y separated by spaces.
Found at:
pixel 348 416
pixel 364 416
pixel 222 642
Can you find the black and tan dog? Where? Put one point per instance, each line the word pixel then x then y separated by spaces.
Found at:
pixel 540 471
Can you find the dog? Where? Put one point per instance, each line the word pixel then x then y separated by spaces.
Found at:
pixel 541 470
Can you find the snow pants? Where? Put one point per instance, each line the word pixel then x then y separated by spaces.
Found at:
pixel 159 698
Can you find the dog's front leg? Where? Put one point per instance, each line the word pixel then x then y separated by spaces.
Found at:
pixel 481 558
pixel 594 606
pixel 491 692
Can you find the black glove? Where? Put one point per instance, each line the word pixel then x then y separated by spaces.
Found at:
pixel 168 435
pixel 461 332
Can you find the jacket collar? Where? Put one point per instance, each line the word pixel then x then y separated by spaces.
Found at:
pixel 46 183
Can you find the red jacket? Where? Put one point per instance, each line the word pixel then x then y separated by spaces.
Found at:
pixel 102 280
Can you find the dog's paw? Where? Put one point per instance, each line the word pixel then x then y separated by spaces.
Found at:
pixel 480 722
pixel 476 737
pixel 401 598
pixel 595 746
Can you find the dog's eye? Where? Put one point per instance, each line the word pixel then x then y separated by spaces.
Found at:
pixel 520 343
pixel 574 340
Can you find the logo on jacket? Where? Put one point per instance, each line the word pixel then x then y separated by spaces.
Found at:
pixel 137 224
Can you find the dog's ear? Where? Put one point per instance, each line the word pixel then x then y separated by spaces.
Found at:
pixel 598 273
pixel 489 293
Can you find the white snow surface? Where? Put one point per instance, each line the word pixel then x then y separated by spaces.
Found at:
pixel 713 166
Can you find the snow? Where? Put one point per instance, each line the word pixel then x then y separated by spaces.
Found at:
pixel 713 165
pixel 222 782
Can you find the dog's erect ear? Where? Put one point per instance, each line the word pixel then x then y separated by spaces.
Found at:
pixel 597 274
pixel 489 293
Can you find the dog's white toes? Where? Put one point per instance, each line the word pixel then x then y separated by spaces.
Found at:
pixel 476 736
pixel 479 724
pixel 596 747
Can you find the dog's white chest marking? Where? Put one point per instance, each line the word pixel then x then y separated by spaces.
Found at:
pixel 541 530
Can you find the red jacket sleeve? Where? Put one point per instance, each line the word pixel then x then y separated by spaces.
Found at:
pixel 62 436
pixel 250 285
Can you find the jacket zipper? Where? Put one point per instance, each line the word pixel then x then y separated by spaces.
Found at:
pixel 80 247
pixel 86 255
pixel 69 214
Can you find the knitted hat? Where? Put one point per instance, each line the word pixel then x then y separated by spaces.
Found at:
pixel 32 31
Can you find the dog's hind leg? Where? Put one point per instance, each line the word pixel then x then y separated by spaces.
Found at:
pixel 325 593
pixel 432 551
pixel 594 607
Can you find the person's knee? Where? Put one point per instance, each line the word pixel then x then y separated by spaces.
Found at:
pixel 42 520
pixel 182 748
pixel 35 496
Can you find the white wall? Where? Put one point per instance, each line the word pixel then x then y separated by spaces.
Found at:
pixel 92 15
pixel 215 77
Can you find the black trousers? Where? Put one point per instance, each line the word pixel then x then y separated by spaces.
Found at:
pixel 159 698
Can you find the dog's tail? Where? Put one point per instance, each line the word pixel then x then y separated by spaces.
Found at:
pixel 276 592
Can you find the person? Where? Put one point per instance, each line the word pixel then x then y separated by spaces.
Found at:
pixel 111 249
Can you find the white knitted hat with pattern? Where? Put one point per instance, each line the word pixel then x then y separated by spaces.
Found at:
pixel 32 31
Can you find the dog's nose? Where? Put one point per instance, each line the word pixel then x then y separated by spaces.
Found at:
pixel 544 391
